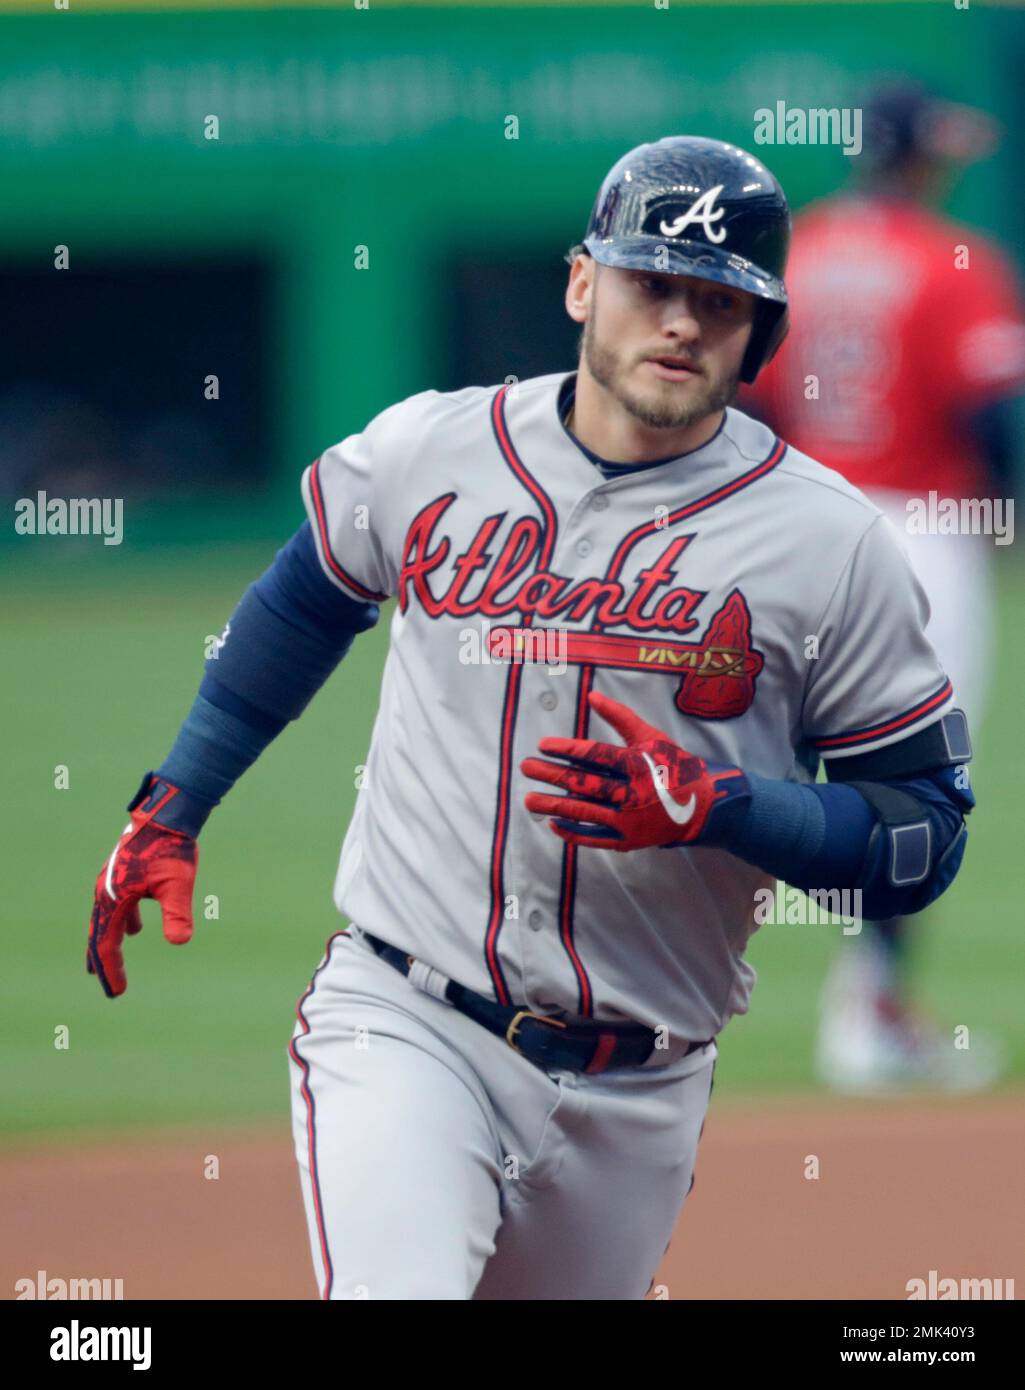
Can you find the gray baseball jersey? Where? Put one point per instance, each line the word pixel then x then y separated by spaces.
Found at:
pixel 744 599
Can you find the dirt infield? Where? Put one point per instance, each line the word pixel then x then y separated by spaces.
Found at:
pixel 904 1188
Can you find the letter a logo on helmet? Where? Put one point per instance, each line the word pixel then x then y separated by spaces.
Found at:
pixel 702 210
pixel 690 206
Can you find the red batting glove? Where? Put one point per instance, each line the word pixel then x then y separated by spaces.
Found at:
pixel 647 794
pixel 149 861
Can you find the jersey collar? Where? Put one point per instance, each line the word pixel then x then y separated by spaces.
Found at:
pixel 611 468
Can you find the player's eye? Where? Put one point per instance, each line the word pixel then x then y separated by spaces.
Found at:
pixel 651 284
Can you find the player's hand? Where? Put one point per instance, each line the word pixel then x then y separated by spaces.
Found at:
pixel 649 793
pixel 148 861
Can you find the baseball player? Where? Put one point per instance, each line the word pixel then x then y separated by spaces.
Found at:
pixel 629 623
pixel 913 329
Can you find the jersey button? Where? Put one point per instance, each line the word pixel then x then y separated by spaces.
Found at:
pixel 599 502
pixel 535 919
pixel 549 700
pixel 584 547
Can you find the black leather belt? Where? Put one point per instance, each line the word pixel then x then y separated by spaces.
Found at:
pixel 547 1042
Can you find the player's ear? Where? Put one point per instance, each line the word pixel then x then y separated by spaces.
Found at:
pixel 580 287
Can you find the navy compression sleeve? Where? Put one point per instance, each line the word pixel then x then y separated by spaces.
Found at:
pixel 822 836
pixel 288 633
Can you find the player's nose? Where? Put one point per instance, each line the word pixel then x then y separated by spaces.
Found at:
pixel 681 316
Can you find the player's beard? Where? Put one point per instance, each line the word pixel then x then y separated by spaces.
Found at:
pixel 609 370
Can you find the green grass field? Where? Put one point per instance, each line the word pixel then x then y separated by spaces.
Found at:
pixel 103 658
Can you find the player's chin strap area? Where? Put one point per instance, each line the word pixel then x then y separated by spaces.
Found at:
pixel 547 1042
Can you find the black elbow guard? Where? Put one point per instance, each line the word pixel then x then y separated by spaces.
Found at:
pixel 919 840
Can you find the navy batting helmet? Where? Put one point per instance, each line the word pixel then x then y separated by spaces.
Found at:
pixel 689 206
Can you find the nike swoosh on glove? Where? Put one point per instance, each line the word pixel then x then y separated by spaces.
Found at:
pixel 650 793
pixel 148 861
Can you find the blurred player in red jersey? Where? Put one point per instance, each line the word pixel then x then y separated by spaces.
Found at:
pixel 901 370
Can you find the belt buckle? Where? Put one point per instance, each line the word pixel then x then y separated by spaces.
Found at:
pixel 517 1019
